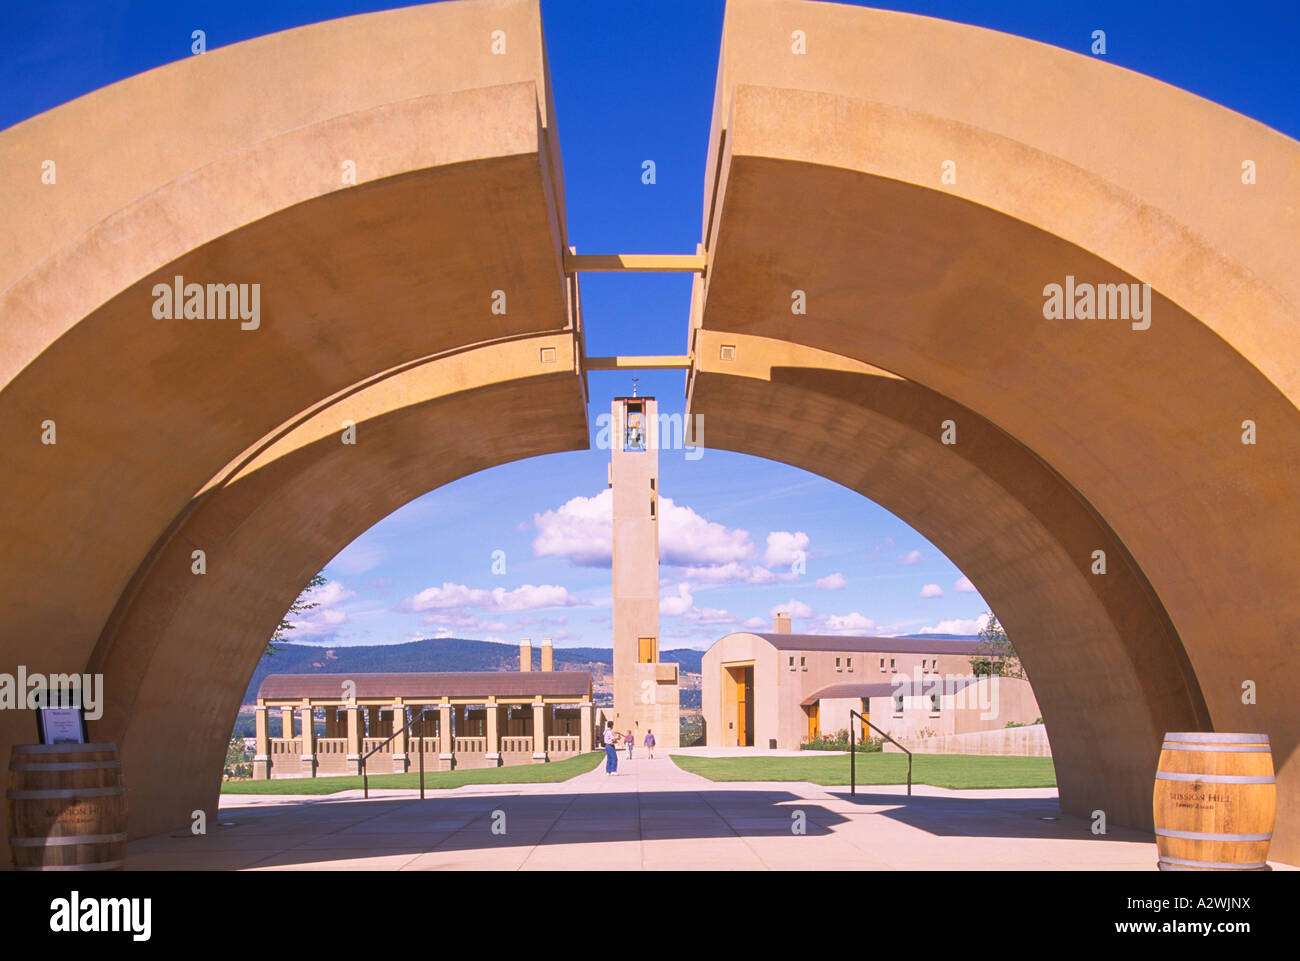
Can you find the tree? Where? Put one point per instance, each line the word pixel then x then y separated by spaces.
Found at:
pixel 995 654
pixel 236 758
pixel 303 603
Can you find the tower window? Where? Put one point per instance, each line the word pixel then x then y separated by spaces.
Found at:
pixel 652 507
pixel 634 433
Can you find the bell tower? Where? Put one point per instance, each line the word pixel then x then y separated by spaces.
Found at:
pixel 646 695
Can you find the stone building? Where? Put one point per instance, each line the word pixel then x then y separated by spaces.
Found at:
pixel 472 719
pixel 779 690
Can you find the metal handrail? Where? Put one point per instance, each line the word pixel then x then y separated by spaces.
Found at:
pixel 415 719
pixel 853 756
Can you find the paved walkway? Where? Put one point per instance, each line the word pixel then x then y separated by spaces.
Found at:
pixel 652 815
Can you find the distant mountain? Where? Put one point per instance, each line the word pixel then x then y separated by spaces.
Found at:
pixel 441 654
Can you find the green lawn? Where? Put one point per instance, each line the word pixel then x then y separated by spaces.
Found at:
pixel 518 774
pixel 942 770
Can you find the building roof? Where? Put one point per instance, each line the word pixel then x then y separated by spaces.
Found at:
pixel 883 645
pixel 951 685
pixel 575 684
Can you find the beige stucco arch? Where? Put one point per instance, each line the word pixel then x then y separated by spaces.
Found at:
pixel 826 176
pixel 279 517
pixel 1107 667
pixel 381 198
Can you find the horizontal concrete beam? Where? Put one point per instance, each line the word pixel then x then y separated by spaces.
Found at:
pixel 662 362
pixel 646 263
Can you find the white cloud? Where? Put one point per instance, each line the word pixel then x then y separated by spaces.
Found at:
pixel 676 606
pixel 784 548
pixel 931 590
pixel 756 622
pixel 958 625
pixel 793 608
pixel 853 623
pixel 682 604
pixel 582 531
pixel 831 582
pixel 733 573
pixel 324 619
pixel 462 622
pixel 911 557
pixel 529 597
pixel 964 586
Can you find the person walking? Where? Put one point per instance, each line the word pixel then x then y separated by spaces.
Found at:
pixel 629 739
pixel 650 743
pixel 611 752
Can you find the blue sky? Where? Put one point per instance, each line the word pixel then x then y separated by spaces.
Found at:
pixel 635 82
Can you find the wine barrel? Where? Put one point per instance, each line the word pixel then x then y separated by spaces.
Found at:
pixel 67 807
pixel 1215 800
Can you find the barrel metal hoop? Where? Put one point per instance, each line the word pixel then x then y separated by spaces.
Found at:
pixel 67 839
pixel 1219 748
pixel 71 793
pixel 98 748
pixel 101 866
pixel 1204 737
pixel 1218 778
pixel 1186 864
pixel 1200 836
pixel 65 766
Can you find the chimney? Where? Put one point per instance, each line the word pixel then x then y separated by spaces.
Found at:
pixel 547 663
pixel 526 654
pixel 782 625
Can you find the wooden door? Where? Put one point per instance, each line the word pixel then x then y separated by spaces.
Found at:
pixel 742 708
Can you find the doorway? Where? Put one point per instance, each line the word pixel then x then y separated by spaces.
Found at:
pixel 740 703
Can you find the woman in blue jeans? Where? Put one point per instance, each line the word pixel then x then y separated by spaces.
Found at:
pixel 611 748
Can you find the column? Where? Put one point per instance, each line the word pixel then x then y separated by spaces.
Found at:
pixel 286 722
pixel 493 756
pixel 308 739
pixel 262 759
pixel 444 736
pixel 331 721
pixel 585 727
pixel 354 739
pixel 539 730
pixel 399 742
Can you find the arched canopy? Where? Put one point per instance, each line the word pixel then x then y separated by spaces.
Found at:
pixel 376 207
pixel 827 176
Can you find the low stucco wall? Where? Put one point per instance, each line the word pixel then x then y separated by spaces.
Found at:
pixel 1027 741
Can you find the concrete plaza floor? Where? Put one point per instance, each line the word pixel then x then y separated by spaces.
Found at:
pixel 652 815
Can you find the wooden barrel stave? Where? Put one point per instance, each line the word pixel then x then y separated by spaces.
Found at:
pixel 67 808
pixel 1215 801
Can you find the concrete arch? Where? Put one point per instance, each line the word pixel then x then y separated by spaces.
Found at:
pixel 277 519
pixel 457 194
pixel 825 177
pixel 1109 670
